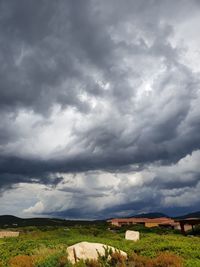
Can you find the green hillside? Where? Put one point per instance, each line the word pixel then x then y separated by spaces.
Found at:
pixel 45 246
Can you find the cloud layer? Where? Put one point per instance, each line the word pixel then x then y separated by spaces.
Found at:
pixel 99 106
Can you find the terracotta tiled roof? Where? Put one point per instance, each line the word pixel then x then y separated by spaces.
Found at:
pixel 142 220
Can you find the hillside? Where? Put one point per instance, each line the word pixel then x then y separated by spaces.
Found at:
pixel 46 246
pixel 190 215
pixel 151 215
pixel 13 221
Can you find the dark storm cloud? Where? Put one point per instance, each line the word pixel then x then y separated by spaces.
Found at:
pixel 51 40
pixel 115 211
pixel 134 206
pixel 75 213
pixel 172 181
pixel 9 180
pixel 119 68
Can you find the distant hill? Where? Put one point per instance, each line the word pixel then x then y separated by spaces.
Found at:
pixel 190 215
pixel 13 221
pixel 151 215
pixel 154 215
pixel 9 219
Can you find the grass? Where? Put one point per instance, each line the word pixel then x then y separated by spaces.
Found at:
pixel 45 244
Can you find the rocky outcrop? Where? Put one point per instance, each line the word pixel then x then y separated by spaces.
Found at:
pixel 132 235
pixel 88 250
pixel 8 234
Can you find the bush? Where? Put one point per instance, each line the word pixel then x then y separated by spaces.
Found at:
pixel 163 260
pixel 64 262
pixel 92 263
pixel 54 260
pixel 111 259
pixel 168 260
pixel 51 261
pixel 21 261
pixel 139 261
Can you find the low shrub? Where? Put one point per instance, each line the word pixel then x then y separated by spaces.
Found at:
pixel 168 260
pixel 163 260
pixel 21 261
pixel 139 261
pixel 64 262
pixel 93 263
pixel 55 260
pixel 110 259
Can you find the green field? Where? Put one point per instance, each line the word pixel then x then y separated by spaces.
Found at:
pixel 48 244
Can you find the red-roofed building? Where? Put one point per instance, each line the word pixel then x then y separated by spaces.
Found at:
pixel 163 221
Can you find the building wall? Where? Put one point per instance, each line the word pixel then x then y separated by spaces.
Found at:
pixel 151 224
pixel 115 223
pixel 187 227
pixel 177 227
pixel 144 221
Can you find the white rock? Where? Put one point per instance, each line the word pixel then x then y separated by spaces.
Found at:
pixel 8 234
pixel 132 235
pixel 87 250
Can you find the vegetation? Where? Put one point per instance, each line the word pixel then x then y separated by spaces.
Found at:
pixel 46 247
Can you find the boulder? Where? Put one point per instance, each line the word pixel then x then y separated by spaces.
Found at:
pixel 88 250
pixel 8 234
pixel 132 235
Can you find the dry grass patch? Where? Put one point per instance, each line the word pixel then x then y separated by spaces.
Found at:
pixel 163 260
pixel 21 261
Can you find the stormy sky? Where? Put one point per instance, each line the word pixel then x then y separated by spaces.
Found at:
pixel 99 107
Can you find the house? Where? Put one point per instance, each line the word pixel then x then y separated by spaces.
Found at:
pixel 162 221
pixel 188 224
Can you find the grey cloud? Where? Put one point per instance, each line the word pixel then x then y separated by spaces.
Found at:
pixel 10 181
pixel 52 47
pixel 117 70
pixel 31 82
pixel 156 188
